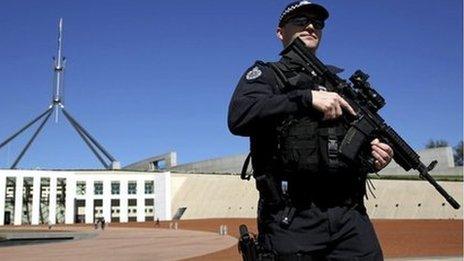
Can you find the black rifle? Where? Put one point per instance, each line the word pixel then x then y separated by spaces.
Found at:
pixel 247 245
pixel 367 124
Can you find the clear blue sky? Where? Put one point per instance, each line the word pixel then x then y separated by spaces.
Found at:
pixel 148 77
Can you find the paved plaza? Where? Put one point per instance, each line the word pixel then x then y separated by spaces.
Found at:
pixel 195 240
pixel 115 243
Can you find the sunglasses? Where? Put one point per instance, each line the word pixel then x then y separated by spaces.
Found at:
pixel 305 21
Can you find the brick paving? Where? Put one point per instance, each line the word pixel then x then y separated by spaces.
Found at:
pixel 115 243
pixel 199 240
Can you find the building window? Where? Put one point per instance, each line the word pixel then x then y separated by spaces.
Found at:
pixel 115 187
pixel 80 188
pixel 98 188
pixel 132 188
pixel 149 187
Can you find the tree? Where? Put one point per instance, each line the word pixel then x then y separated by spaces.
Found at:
pixel 458 153
pixel 436 144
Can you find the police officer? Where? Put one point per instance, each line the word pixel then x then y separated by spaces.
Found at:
pixel 311 201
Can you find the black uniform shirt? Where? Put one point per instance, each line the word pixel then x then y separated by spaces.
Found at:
pixel 257 103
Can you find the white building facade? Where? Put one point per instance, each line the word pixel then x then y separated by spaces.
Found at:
pixel 52 197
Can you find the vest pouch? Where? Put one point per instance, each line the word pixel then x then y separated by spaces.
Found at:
pixel 330 139
pixel 298 147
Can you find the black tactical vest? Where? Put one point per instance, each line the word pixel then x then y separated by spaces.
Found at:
pixel 306 145
pixel 299 154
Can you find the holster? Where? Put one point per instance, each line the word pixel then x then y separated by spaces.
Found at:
pixel 268 191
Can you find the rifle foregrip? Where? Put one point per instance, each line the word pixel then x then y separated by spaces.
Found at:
pixel 404 155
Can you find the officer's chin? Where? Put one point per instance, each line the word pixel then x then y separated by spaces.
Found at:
pixel 309 41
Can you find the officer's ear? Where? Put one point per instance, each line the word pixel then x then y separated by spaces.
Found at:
pixel 279 33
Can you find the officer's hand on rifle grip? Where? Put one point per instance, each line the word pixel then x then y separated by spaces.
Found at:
pixel 330 104
pixel 382 154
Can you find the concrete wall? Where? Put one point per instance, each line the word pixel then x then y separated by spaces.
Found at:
pixel 213 196
pixel 221 196
pixel 408 199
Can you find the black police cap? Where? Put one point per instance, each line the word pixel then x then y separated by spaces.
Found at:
pixel 299 7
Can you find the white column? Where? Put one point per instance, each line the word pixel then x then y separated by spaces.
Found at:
pixel 2 199
pixel 18 210
pixel 167 195
pixel 163 195
pixel 36 201
pixel 140 200
pixel 52 202
pixel 70 200
pixel 89 201
pixel 107 200
pixel 123 217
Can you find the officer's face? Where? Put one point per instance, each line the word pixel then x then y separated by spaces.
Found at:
pixel 310 33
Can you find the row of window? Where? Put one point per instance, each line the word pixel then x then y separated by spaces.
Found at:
pixel 113 211
pixel 115 187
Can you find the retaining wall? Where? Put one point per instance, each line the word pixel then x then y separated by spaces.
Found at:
pixel 227 196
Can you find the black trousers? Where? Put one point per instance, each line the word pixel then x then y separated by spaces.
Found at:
pixel 315 233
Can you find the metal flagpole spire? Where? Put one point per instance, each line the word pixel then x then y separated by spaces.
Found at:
pixel 57 105
pixel 59 65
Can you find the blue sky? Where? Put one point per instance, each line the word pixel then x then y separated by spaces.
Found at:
pixel 148 77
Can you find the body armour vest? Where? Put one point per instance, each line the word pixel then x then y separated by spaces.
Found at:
pixel 297 154
pixel 306 145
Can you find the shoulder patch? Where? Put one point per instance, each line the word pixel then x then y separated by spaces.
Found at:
pixel 253 73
